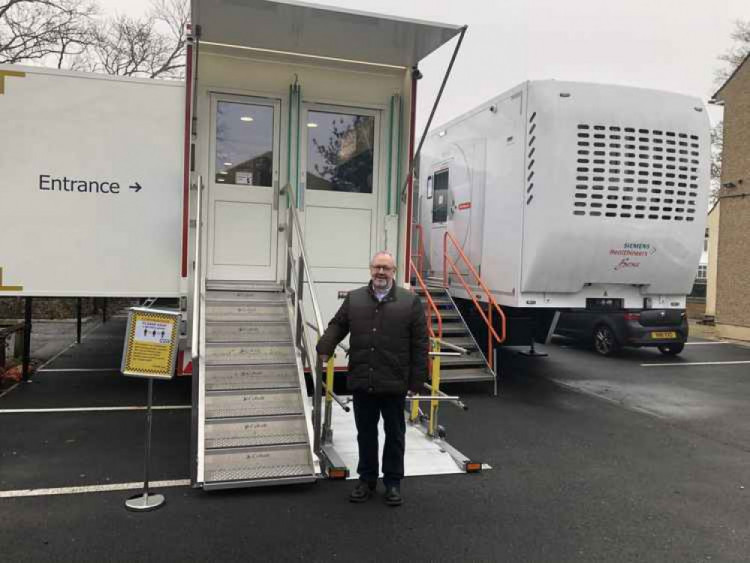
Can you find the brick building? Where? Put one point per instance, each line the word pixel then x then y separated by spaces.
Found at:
pixel 733 256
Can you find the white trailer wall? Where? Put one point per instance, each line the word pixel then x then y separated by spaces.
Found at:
pixel 71 147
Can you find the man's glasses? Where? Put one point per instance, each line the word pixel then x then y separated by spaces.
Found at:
pixel 384 268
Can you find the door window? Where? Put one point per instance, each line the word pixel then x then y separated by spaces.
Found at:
pixel 340 151
pixel 244 144
pixel 440 197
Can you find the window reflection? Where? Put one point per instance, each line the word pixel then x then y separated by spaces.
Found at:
pixel 244 144
pixel 340 152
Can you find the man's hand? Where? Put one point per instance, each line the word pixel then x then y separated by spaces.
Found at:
pixel 323 358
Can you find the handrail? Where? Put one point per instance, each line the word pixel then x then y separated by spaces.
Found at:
pixel 430 302
pixel 420 247
pixel 194 345
pixel 492 304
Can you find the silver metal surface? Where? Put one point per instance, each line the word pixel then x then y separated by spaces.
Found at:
pixel 194 349
pixel 242 296
pixel 239 311
pixel 145 502
pixel 249 353
pixel 218 485
pixel 226 404
pixel 266 331
pixel 271 376
pixel 256 431
pixel 265 462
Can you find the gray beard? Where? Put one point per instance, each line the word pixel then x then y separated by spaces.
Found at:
pixel 378 285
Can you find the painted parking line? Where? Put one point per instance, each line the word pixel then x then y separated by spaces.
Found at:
pixel 681 364
pixel 96 409
pixel 93 488
pixel 75 370
pixel 707 342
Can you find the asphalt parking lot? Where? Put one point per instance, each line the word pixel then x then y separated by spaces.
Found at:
pixel 594 459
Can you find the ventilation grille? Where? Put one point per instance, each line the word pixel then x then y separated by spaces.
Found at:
pixel 636 173
pixel 531 159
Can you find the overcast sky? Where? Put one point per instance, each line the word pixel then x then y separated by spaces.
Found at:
pixel 662 44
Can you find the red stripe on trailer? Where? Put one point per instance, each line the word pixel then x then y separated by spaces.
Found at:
pixel 410 179
pixel 464 205
pixel 186 158
pixel 183 370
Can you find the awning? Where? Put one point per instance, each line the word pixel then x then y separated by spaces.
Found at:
pixel 309 29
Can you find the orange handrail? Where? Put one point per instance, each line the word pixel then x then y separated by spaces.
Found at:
pixel 431 304
pixel 492 304
pixel 420 247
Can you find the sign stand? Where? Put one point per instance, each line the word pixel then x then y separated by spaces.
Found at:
pixel 146 501
pixel 150 351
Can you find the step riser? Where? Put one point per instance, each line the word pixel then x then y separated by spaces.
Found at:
pixel 259 431
pixel 251 296
pixel 261 463
pixel 253 403
pixel 237 354
pixel 248 332
pixel 218 311
pixel 251 377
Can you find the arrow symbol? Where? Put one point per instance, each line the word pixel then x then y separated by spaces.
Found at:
pixel 137 187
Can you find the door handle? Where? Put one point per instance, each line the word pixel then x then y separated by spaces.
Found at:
pixel 276 195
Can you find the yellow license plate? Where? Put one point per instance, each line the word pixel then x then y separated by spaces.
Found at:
pixel 663 335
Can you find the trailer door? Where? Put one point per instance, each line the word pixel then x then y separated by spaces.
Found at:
pixel 243 188
pixel 341 190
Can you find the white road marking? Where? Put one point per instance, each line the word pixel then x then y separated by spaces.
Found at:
pixel 709 342
pixel 92 488
pixel 48 370
pixel 681 364
pixel 8 390
pixel 74 343
pixel 95 409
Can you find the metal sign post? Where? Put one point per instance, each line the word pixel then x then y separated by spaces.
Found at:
pixel 150 351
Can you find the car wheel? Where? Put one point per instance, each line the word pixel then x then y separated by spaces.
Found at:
pixel 671 349
pixel 605 341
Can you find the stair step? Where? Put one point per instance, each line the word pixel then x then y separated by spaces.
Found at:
pixel 433 290
pixel 452 329
pixel 467 343
pixel 439 301
pixel 447 316
pixel 465 375
pixel 239 311
pixel 256 431
pixel 245 296
pixel 233 404
pixel 265 462
pixel 219 331
pixel 273 376
pixel 243 285
pixel 465 360
pixel 251 353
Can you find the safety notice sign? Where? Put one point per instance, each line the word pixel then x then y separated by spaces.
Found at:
pixel 151 343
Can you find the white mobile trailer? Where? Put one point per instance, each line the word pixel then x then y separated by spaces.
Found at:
pixel 281 159
pixel 563 192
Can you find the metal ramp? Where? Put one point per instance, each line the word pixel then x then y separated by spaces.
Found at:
pixel 470 366
pixel 255 419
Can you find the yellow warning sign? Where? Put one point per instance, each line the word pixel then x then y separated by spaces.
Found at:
pixel 151 343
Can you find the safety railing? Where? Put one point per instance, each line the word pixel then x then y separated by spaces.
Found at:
pixel 420 248
pixel 197 270
pixel 492 335
pixel 298 277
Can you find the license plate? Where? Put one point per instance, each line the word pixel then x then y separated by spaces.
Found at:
pixel 663 335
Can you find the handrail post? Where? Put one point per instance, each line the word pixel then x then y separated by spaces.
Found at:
pixel 327 426
pixel 317 385
pixel 432 427
pixel 489 335
pixel 300 301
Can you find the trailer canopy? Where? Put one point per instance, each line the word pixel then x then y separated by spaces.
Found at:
pixel 323 31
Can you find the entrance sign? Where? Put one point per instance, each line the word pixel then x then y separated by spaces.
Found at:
pixel 151 341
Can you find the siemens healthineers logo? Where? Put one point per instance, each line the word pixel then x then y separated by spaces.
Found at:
pixel 631 253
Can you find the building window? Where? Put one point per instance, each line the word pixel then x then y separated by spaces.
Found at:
pixel 702 272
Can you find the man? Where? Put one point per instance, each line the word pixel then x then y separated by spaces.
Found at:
pixel 388 349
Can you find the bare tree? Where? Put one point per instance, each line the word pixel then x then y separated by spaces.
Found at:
pixel 717 147
pixel 737 53
pixel 153 46
pixel 42 30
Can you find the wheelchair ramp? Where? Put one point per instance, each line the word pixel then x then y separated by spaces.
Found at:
pixel 255 418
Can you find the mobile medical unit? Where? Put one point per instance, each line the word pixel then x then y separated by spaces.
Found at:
pixel 255 192
pixel 566 195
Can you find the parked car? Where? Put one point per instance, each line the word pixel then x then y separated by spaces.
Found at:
pixel 609 330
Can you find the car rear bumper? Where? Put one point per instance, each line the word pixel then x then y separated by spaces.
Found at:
pixel 639 335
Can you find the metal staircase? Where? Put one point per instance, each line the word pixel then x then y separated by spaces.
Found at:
pixel 255 418
pixel 471 366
